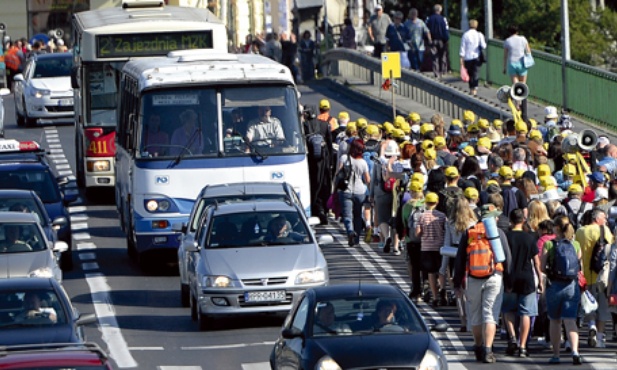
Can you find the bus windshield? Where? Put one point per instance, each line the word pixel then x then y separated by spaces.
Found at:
pixel 225 121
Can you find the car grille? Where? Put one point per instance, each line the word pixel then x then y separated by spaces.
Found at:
pixel 265 281
pixel 55 108
pixel 288 300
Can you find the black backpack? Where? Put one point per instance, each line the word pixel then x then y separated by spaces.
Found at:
pixel 575 217
pixel 598 255
pixel 509 199
pixel 451 195
pixel 316 142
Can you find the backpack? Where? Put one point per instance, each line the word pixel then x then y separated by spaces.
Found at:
pixel 565 264
pixel 388 185
pixel 343 175
pixel 451 196
pixel 371 147
pixel 316 144
pixel 480 258
pixel 598 254
pixel 412 222
pixel 509 200
pixel 575 218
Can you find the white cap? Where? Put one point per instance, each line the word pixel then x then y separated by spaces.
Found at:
pixel 602 142
pixel 551 112
pixel 391 149
pixel 378 7
pixel 601 193
pixel 60 42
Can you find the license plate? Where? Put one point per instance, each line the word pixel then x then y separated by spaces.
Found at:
pixel 65 102
pixel 265 296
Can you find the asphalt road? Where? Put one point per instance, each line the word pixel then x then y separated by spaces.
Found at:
pixel 141 322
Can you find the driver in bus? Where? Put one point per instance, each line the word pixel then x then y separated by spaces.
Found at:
pixel 265 130
pixel 187 139
pixel 156 140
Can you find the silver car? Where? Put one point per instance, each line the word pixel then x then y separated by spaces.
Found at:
pixel 25 251
pixel 253 257
pixel 210 194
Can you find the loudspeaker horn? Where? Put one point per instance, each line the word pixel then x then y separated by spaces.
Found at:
pixel 570 144
pixel 587 140
pixel 503 93
pixel 519 91
pixel 59 32
pixel 2 26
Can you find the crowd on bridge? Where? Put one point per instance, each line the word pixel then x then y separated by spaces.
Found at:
pixel 425 186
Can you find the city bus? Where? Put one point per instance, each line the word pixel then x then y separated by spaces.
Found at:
pixel 105 39
pixel 196 118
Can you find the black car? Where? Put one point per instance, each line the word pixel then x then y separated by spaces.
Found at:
pixel 23 165
pixel 36 311
pixel 355 326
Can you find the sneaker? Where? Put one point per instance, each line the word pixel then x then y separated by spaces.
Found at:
pixel 553 360
pixel 479 352
pixel 592 340
pixel 522 352
pixel 601 342
pixel 489 358
pixel 397 252
pixel 577 359
pixel 567 346
pixel 511 349
pixel 544 343
pixel 351 239
pixel 386 247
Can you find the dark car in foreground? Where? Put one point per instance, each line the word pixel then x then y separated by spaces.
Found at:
pixel 37 311
pixel 356 326
pixel 61 356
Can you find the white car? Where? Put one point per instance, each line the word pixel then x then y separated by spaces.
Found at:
pixel 44 90
pixel 3 92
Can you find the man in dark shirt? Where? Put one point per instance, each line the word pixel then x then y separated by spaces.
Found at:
pixel 438 25
pixel 521 300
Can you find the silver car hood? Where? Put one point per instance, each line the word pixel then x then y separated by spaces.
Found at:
pixel 54 84
pixel 21 264
pixel 263 261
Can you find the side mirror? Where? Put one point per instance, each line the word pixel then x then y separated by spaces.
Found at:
pixel 69 196
pixel 19 77
pixel 179 227
pixel 4 91
pixel 314 221
pixel 59 222
pixel 60 247
pixel 192 247
pixel 86 319
pixel 325 239
pixel 441 328
pixel 289 333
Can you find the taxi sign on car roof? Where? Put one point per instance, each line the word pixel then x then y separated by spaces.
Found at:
pixel 15 146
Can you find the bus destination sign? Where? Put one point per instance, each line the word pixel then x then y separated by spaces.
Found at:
pixel 150 44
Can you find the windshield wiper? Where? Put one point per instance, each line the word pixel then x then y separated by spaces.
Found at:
pixel 186 148
pixel 254 152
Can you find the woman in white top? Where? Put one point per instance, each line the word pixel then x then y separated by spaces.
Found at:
pixel 471 45
pixel 514 48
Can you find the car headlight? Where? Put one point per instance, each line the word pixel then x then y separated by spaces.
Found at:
pixel 43 272
pixel 160 205
pixel 327 363
pixel 40 93
pixel 311 276
pixel 218 281
pixel 98 166
pixel 431 361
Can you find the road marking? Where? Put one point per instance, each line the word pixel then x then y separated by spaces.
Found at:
pixel 79 225
pixel 56 151
pixel 79 218
pixel 86 246
pixel 105 313
pixel 52 140
pixel 53 156
pixel 256 366
pixel 228 346
pixel 179 367
pixel 61 160
pixel 87 256
pixel 146 348
pixel 55 146
pixel 81 236
pixel 77 209
pixel 63 167
pixel 89 266
pixel 64 173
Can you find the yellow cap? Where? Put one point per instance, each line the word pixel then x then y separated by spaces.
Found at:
pixel 492 182
pixel 431 198
pixel 351 127
pixel 483 123
pixel 343 115
pixel 533 123
pixel 371 130
pixel 416 186
pixel 403 143
pixel 361 123
pixel 506 172
pixel 519 174
pixel 473 128
pixel 544 170
pixel 569 170
pixel 439 141
pixel 535 134
pixel 428 144
pixel 575 189
pixel 430 154
pixel 472 193
pixel 426 127
pixel 414 117
pixel 324 104
pixel 388 127
pixel 485 142
pixel 469 116
pixel 398 121
pixel 397 133
pixel 520 126
pixel 457 122
pixel 497 123
pixel 405 127
pixel 547 182
pixel 469 150
pixel 418 176
pixel 451 172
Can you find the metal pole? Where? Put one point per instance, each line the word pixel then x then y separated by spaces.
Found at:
pixel 565 50
pixel 464 17
pixel 393 86
pixel 488 31
pixel 325 27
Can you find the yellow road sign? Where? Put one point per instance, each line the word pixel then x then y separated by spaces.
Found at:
pixel 391 65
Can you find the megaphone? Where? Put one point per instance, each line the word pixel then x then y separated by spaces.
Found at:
pixel 570 144
pixel 519 91
pixel 59 32
pixel 503 94
pixel 587 140
pixel 2 26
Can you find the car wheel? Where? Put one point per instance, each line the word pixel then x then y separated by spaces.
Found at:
pixel 193 304
pixel 18 117
pixel 81 177
pixel 184 295
pixel 66 259
pixel 130 247
pixel 30 122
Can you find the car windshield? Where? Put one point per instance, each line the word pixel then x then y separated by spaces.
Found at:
pixel 40 181
pixel 26 205
pixel 364 315
pixel 20 238
pixel 257 229
pixel 25 308
pixel 53 67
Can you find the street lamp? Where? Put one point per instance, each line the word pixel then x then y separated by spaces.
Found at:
pixel 565 50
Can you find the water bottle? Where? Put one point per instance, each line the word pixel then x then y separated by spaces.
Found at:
pixel 492 234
